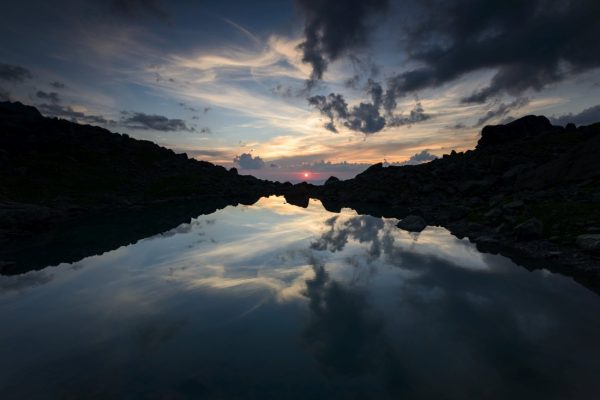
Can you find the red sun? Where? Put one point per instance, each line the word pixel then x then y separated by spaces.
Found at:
pixel 306 174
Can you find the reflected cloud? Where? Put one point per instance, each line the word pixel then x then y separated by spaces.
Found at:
pixel 18 283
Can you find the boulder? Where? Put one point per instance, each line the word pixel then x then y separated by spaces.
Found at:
pixel 528 126
pixel 589 242
pixel 530 230
pixel 331 179
pixel 412 223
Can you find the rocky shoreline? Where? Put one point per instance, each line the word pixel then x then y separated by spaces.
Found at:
pixel 529 190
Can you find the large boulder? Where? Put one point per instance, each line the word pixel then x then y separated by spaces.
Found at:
pixel 528 126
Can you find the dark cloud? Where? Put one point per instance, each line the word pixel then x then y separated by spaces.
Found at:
pixel 365 117
pixel 352 82
pixel 362 228
pixel 154 122
pixel 530 44
pixel 417 114
pixel 459 125
pixel 206 130
pixel 501 110
pixel 332 106
pixel 4 94
pixel 282 90
pixel 586 117
pixel 50 96
pixel 139 8
pixel 187 107
pixel 342 331
pixel 375 90
pixel 58 85
pixel 14 73
pixel 332 28
pixel 66 112
pixel 246 161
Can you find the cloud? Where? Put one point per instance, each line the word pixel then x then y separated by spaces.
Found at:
pixel 332 28
pixel 418 158
pixel 332 106
pixel 501 110
pixel 529 44
pixel 417 114
pixel 58 85
pixel 4 94
pixel 14 73
pixel 202 153
pixel 246 161
pixel 139 8
pixel 51 96
pixel 588 116
pixel 206 130
pixel 365 117
pixel 154 122
pixel 66 112
pixel 187 107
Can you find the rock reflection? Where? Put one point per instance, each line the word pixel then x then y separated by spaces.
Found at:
pixel 471 330
pixel 99 234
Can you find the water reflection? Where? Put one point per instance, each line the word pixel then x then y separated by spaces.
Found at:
pixel 277 301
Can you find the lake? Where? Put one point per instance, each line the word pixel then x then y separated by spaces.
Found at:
pixel 274 301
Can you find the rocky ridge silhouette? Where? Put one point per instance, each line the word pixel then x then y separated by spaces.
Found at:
pixel 529 190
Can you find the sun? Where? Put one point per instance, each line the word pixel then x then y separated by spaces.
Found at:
pixel 306 174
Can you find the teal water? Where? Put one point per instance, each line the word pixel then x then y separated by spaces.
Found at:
pixel 273 301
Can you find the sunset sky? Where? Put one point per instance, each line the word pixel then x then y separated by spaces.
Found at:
pixel 248 83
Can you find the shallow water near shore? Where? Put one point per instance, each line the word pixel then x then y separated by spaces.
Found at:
pixel 277 301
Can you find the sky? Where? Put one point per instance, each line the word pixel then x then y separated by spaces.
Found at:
pixel 303 89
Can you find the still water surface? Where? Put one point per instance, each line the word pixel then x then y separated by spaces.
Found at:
pixel 273 301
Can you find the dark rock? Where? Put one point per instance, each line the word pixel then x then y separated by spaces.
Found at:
pixel 527 126
pixel 530 230
pixel 18 110
pixel 589 242
pixel 412 223
pixel 514 205
pixel 331 179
